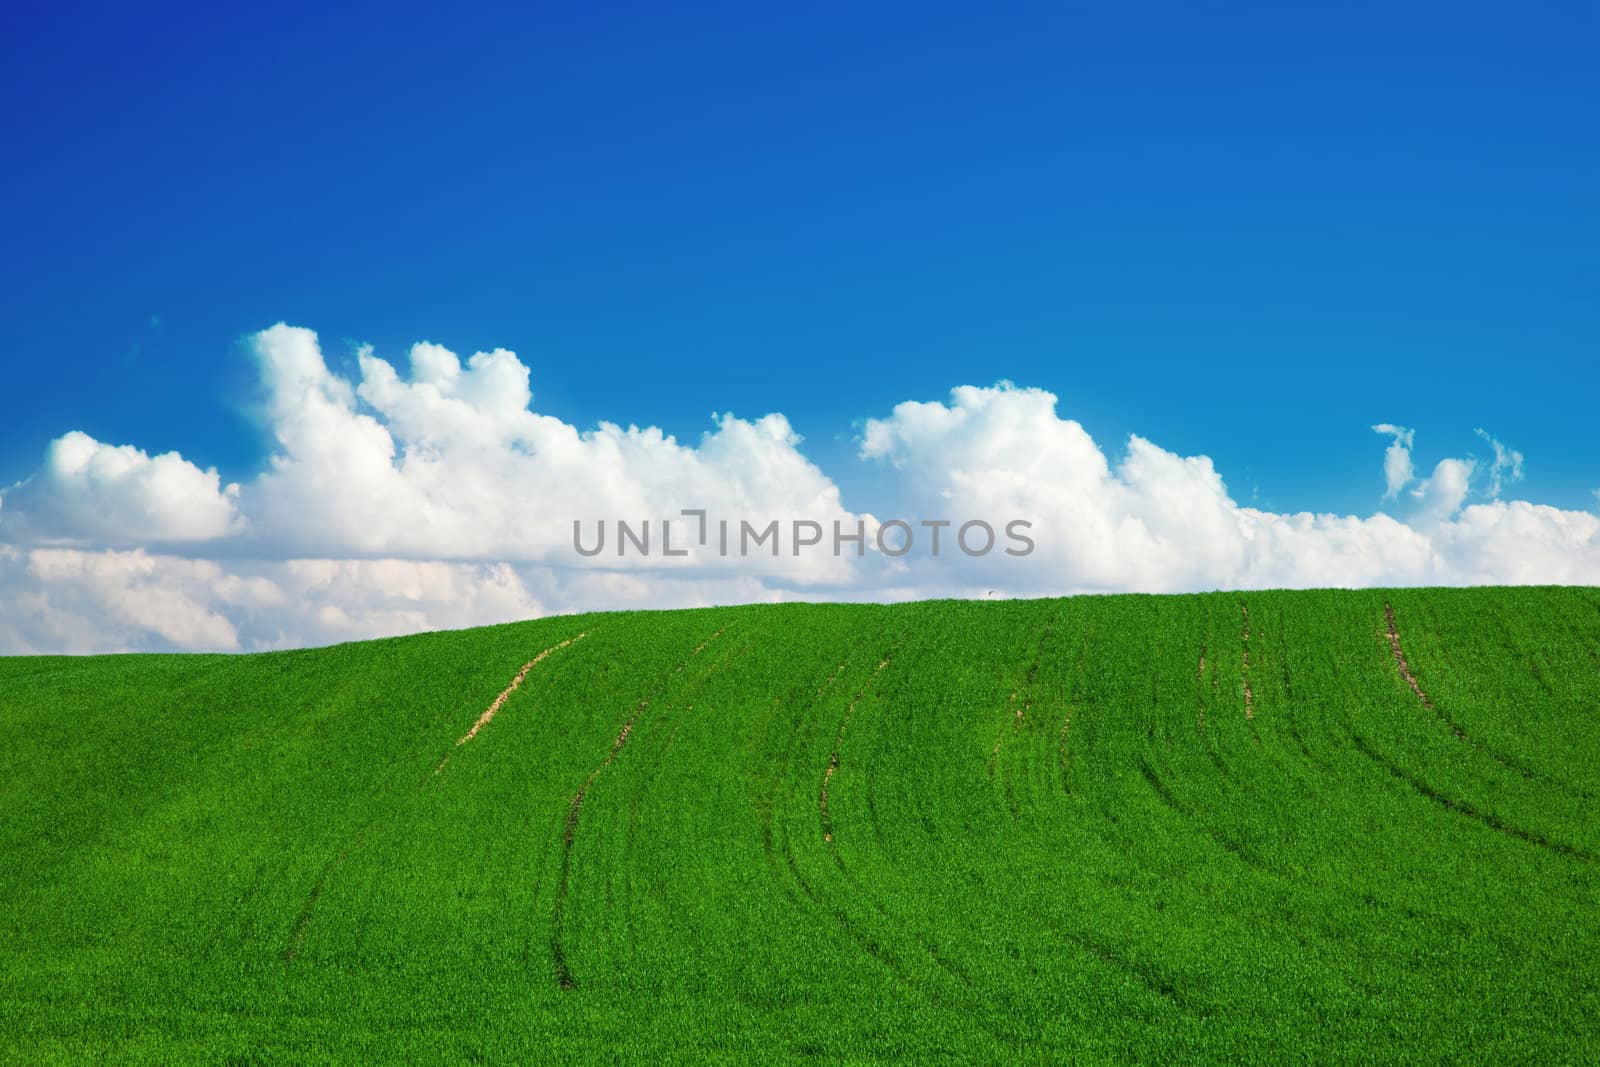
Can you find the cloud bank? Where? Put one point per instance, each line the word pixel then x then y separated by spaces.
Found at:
pixel 438 497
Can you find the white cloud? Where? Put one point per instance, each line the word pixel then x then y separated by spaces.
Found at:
pixel 449 462
pixel 1441 494
pixel 1507 466
pixel 72 600
pixel 438 497
pixel 77 600
pixel 1156 521
pixel 1397 468
pixel 88 491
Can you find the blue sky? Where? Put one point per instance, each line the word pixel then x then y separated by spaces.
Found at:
pixel 1248 235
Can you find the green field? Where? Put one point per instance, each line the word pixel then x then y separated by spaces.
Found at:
pixel 1263 826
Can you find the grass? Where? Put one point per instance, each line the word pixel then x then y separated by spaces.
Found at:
pixel 1040 829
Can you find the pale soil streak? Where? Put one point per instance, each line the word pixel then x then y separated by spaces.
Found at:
pixel 833 758
pixel 1249 694
pixel 489 713
pixel 564 976
pixel 1405 668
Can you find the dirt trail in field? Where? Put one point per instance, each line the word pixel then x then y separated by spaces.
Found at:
pixel 1405 668
pixel 505 694
pixel 569 834
pixel 1244 667
pixel 833 758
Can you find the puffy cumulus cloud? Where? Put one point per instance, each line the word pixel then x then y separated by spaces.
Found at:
pixel 89 491
pixel 1441 494
pixel 355 599
pixel 1518 543
pixel 1156 521
pixel 1001 454
pixel 1397 468
pixel 449 461
pixel 433 494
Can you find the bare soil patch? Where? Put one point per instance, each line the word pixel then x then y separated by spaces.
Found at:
pixel 505 694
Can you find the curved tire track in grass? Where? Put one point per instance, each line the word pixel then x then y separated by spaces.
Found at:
pixel 1244 674
pixel 1468 810
pixel 1164 793
pixel 1290 714
pixel 876 945
pixel 302 920
pixel 653 760
pixel 833 757
pixel 1511 763
pixel 1202 697
pixel 314 894
pixel 558 953
pixel 774 842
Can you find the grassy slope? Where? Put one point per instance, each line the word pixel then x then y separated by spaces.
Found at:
pixel 214 856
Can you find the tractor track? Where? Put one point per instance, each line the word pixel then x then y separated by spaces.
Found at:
pixel 1404 668
pixel 1164 793
pixel 362 829
pixel 314 895
pixel 766 802
pixel 563 971
pixel 505 694
pixel 833 757
pixel 655 761
pixel 776 843
pixel 866 940
pixel 1467 810
pixel 303 918
pixel 1244 665
pixel 1291 717
pixel 1509 762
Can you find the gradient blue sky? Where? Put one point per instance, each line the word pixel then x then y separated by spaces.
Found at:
pixel 1249 235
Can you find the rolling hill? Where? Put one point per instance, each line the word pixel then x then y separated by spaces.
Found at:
pixel 1265 826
